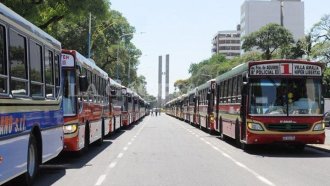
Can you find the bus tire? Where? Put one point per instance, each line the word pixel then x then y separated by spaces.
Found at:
pixel 86 142
pixel 99 142
pixel 237 134
pixel 220 128
pixel 32 162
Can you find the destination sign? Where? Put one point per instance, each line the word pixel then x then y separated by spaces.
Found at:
pixel 67 60
pixel 285 69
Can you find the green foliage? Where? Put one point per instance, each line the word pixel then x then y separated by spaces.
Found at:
pixel 67 21
pixel 268 39
pixel 182 85
pixel 321 30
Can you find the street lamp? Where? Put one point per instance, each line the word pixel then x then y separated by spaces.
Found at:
pixel 117 63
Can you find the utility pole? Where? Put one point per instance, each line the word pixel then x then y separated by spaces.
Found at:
pixel 282 17
pixel 89 36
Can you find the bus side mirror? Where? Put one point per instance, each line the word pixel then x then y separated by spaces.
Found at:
pixel 113 92
pixel 194 99
pixel 83 83
pixel 245 80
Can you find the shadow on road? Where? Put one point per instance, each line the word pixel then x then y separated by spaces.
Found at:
pixel 55 169
pixel 279 150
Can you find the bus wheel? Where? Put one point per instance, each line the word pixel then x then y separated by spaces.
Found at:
pixel 86 142
pixel 100 141
pixel 237 134
pixel 32 161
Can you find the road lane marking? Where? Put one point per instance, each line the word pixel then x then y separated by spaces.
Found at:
pixel 125 148
pixel 261 178
pixel 129 143
pixel 100 180
pixel 112 165
pixel 120 155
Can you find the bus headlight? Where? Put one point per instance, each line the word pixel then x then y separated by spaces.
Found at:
pixel 319 127
pixel 255 126
pixel 71 128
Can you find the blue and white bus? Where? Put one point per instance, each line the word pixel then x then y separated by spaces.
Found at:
pixel 31 116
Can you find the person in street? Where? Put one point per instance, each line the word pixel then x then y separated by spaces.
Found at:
pixel 152 112
pixel 156 111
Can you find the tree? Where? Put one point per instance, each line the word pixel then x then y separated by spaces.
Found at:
pixel 67 21
pixel 182 85
pixel 268 39
pixel 321 30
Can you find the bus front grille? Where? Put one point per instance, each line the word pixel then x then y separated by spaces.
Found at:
pixel 288 127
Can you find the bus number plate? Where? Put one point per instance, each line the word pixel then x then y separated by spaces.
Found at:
pixel 289 138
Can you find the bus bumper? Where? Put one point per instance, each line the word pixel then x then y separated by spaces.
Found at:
pixel 285 138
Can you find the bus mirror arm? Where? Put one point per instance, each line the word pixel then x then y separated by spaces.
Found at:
pixel 83 83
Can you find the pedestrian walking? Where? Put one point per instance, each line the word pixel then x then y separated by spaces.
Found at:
pixel 152 112
pixel 156 111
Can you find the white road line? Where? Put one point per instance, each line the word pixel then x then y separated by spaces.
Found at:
pixel 112 165
pixel 258 176
pixel 125 148
pixel 129 143
pixel 120 155
pixel 100 180
pixel 215 148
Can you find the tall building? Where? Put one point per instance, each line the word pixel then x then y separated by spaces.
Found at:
pixel 256 14
pixel 227 43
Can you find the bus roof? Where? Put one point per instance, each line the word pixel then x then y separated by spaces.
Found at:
pixel 19 20
pixel 233 72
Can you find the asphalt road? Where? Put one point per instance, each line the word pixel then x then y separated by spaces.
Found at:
pixel 166 151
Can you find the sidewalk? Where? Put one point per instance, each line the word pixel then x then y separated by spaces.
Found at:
pixel 326 146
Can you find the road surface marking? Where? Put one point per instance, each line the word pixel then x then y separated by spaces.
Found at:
pixel 125 148
pixel 113 164
pixel 100 180
pixel 120 155
pixel 129 143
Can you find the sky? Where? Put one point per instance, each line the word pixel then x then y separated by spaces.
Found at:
pixel 184 29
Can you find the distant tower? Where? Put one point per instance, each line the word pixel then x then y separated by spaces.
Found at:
pixel 167 78
pixel 160 81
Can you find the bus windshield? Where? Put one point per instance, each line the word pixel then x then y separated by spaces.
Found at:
pixel 69 99
pixel 284 97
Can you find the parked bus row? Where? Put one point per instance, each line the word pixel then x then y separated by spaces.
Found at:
pixel 52 100
pixel 261 102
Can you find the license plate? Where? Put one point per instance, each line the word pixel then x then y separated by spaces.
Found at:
pixel 289 138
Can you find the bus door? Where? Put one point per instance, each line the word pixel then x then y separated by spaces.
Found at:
pixel 244 101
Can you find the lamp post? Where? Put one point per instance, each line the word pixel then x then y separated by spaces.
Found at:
pixel 117 63
pixel 281 1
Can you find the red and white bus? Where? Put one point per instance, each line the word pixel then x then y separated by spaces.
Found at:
pixel 116 102
pixel 263 102
pixel 272 101
pixel 84 98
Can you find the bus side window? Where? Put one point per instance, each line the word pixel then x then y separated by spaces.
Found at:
pixel 49 74
pixel 3 61
pixel 234 99
pixel 36 70
pixel 57 74
pixel 18 64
